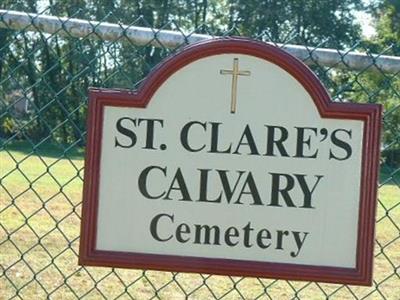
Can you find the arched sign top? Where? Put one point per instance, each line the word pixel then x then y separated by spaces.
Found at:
pixel 231 45
pixel 261 50
pixel 231 159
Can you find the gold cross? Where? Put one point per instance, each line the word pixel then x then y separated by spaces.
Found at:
pixel 235 73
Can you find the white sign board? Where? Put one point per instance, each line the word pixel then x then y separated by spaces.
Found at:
pixel 231 159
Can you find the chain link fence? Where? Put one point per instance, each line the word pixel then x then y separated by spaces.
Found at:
pixel 46 66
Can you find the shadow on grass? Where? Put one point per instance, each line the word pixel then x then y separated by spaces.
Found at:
pixel 44 149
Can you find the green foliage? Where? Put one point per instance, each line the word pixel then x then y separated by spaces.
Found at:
pixel 387 16
pixel 309 21
pixel 7 127
pixel 387 86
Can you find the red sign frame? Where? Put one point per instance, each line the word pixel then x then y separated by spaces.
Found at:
pixel 370 114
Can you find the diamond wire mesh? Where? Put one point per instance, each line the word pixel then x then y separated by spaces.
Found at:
pixel 43 101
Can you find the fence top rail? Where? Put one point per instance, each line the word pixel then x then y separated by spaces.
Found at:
pixel 79 28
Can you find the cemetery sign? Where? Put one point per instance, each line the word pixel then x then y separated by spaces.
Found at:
pixel 231 158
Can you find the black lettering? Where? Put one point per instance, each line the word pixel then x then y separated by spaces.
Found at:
pixel 272 142
pixel 299 242
pixel 207 234
pixel 262 235
pixel 279 239
pixel 277 190
pixel 204 187
pixel 180 186
pixel 341 144
pixel 307 192
pixel 142 181
pixel 247 135
pixel 185 135
pixel 253 191
pixel 126 132
pixel 246 241
pixel 150 131
pixel 154 224
pixel 182 229
pixel 229 234
pixel 301 141
pixel 228 191
pixel 214 139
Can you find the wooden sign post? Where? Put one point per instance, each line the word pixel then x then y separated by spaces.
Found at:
pixel 231 159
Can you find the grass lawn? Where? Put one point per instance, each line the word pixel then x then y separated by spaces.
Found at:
pixel 40 206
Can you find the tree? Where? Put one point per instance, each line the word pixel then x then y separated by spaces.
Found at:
pixel 387 18
pixel 380 87
pixel 58 70
pixel 310 21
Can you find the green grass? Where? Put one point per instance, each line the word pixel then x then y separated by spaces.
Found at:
pixel 40 206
